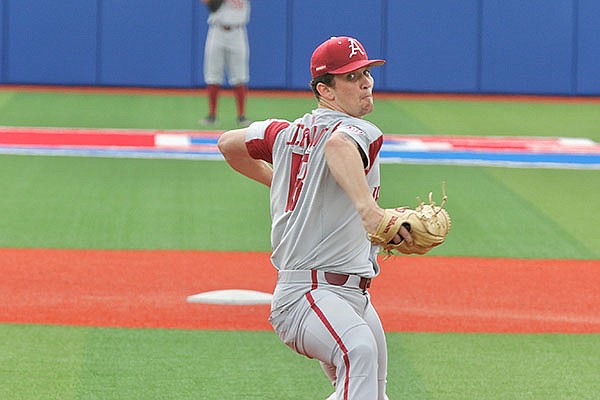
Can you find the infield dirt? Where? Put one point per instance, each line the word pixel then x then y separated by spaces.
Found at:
pixel 148 289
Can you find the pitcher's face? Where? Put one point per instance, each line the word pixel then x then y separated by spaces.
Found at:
pixel 353 92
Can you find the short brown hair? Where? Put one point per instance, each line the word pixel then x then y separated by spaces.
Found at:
pixel 326 79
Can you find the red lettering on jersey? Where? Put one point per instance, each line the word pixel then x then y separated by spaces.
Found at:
pixel 294 140
pixel 318 136
pixel 305 138
pixel 297 175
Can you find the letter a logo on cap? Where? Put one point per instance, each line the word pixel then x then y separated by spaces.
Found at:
pixel 333 57
pixel 354 48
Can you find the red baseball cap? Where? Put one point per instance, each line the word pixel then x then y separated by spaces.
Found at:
pixel 340 55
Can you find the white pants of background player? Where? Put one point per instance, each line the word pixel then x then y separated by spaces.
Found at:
pixel 226 52
pixel 337 325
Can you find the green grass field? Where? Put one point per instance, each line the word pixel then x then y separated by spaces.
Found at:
pixel 103 203
pixel 72 202
pixel 45 362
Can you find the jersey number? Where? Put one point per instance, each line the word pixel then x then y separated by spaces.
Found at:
pixel 297 175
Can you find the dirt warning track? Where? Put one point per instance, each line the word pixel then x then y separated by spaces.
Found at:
pixel 148 289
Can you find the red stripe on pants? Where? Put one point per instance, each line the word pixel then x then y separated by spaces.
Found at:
pixel 337 338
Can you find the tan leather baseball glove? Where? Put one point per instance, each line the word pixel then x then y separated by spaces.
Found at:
pixel 428 225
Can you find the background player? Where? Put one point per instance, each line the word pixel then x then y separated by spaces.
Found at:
pixel 226 51
pixel 323 171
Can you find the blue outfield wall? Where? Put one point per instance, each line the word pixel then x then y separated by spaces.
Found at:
pixel 528 48
pixel 44 42
pixel 452 46
pixel 433 45
pixel 587 51
pixel 147 43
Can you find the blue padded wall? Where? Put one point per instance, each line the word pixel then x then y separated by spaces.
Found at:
pixel 465 46
pixel 147 42
pixel 49 43
pixel 432 45
pixel 3 59
pixel 527 46
pixel 588 50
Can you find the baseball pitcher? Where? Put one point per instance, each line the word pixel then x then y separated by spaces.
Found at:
pixel 327 228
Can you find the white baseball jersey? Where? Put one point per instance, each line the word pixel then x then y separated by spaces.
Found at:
pixel 314 222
